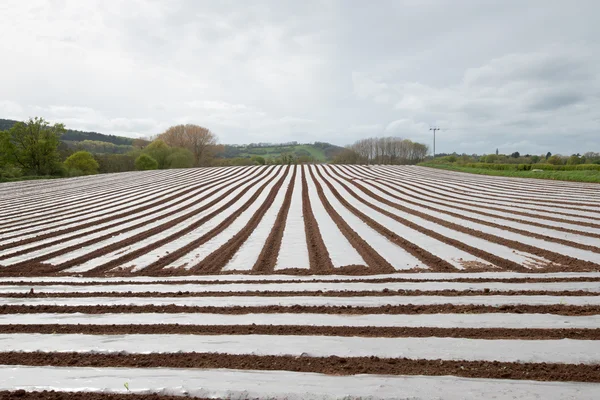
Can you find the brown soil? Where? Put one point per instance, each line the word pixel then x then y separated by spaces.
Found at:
pixel 516 185
pixel 157 266
pixel 320 262
pixel 491 215
pixel 492 258
pixel 432 261
pixel 564 262
pixel 483 200
pixel 265 263
pixel 317 251
pixel 486 194
pixel 119 218
pixel 29 267
pixel 217 260
pixel 303 330
pixel 315 280
pixel 373 259
pixel 498 226
pixel 411 309
pixel 105 203
pixel 66 201
pixel 325 365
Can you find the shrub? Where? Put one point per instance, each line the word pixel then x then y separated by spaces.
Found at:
pixel 580 167
pixel 73 172
pixel 497 167
pixel 145 163
pixel 10 171
pixel 555 160
pixel 180 158
pixel 491 158
pixel 83 162
pixel 575 160
pixel 159 151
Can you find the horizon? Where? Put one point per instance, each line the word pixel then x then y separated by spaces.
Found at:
pixel 320 71
pixel 277 144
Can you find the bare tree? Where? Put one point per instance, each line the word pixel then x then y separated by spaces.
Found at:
pixel 387 150
pixel 199 140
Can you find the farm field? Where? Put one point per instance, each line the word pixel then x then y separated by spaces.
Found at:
pixel 300 282
pixel 584 175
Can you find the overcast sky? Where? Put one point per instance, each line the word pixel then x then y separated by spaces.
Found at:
pixel 518 75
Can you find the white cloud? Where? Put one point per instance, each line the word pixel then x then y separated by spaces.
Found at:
pixel 493 75
pixel 369 129
pixel 10 109
pixel 216 105
pixel 547 97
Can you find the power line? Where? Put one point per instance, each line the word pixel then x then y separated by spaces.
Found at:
pixel 434 129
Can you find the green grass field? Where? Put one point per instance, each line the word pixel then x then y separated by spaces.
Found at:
pixel 575 176
pixel 276 151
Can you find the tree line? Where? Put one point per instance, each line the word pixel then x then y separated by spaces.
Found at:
pixel 34 149
pixel 518 158
pixel 383 150
pixel 37 149
pixel 71 135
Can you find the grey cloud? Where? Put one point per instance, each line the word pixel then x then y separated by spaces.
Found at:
pixel 556 101
pixel 494 74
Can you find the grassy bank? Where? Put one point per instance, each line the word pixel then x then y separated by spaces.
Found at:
pixel 575 176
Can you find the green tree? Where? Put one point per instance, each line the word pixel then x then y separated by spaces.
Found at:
pixel 180 158
pixel 259 160
pixel 491 158
pixel 145 162
pixel 34 144
pixel 199 140
pixel 555 160
pixel 5 150
pixel 160 152
pixel 115 162
pixel 575 159
pixel 82 161
pixel 7 167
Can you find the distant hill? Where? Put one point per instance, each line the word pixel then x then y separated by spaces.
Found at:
pixel 319 151
pixel 71 135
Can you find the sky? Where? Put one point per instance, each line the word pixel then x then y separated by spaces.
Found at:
pixel 510 74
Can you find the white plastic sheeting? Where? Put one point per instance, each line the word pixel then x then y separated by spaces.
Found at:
pixel 525 321
pixel 214 278
pixel 279 385
pixel 356 301
pixel 431 348
pixel 309 286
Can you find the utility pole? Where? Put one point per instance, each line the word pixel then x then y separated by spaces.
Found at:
pixel 434 129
